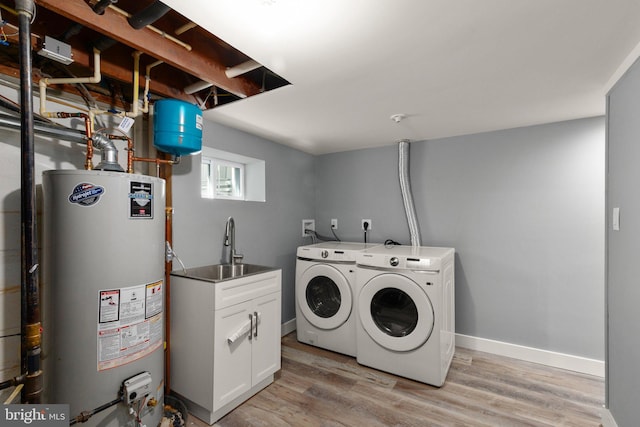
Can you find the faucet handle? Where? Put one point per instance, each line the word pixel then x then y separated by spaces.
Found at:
pixel 238 257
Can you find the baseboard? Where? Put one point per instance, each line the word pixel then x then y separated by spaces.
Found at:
pixel 288 327
pixel 607 419
pixel 530 354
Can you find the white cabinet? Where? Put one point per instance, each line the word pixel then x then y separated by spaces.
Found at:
pixel 225 340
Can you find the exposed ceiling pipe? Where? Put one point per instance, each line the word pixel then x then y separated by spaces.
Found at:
pixel 147 81
pixel 30 326
pixel 103 43
pixel 47 81
pixel 186 27
pixel 148 15
pixel 154 29
pixel 102 5
pixel 243 68
pixel 197 87
pixel 136 83
pixel 45 129
pixel 231 72
pixel 98 8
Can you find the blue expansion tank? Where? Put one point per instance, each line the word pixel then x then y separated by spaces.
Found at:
pixel 177 127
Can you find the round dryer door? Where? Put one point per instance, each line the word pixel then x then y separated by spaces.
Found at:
pixel 395 312
pixel 324 296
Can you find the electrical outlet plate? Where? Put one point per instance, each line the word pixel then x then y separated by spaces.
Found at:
pixel 308 224
pixel 369 221
pixel 334 223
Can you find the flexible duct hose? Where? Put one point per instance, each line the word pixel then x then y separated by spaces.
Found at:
pixel 405 189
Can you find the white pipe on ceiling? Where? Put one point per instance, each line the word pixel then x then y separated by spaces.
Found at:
pixel 240 69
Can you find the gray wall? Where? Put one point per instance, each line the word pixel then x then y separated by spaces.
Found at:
pixel 524 209
pixel 623 247
pixel 268 232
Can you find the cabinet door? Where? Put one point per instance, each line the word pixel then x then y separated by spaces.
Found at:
pixel 266 343
pixel 231 361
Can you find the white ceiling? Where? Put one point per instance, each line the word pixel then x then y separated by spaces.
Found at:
pixel 453 67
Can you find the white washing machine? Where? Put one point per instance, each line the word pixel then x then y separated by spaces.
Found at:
pixel 325 295
pixel 406 312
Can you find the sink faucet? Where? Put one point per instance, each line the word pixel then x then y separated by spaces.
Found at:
pixel 230 240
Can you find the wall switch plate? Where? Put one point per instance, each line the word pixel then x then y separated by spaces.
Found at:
pixel 616 219
pixel 334 223
pixel 367 221
pixel 308 224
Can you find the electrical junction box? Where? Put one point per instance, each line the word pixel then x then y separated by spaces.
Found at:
pixel 137 387
pixel 56 50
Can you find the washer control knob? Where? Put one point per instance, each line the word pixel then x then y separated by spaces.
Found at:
pixel 394 261
pixel 324 253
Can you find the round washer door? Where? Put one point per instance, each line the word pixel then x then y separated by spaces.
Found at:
pixel 324 296
pixel 395 312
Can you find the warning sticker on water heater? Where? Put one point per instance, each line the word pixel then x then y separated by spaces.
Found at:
pixel 141 200
pixel 130 324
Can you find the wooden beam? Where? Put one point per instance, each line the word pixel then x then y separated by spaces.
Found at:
pixel 115 25
pixel 107 68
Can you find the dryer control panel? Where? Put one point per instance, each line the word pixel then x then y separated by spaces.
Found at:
pixel 400 262
pixel 419 263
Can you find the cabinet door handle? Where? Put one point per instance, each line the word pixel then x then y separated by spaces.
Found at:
pixel 255 314
pixel 251 327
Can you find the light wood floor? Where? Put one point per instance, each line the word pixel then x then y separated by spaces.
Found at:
pixel 320 388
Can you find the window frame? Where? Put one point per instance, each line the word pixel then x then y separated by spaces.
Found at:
pixel 254 179
pixel 212 179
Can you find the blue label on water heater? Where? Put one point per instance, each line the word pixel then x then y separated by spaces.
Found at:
pixel 86 194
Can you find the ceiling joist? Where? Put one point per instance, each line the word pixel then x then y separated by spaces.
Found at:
pixel 115 25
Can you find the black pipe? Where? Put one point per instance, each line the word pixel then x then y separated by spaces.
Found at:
pixel 102 5
pixel 73 30
pixel 85 415
pixel 103 43
pixel 148 15
pixel 30 294
pixel 9 383
pixel 99 8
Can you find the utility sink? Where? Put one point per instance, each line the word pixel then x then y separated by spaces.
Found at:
pixel 220 272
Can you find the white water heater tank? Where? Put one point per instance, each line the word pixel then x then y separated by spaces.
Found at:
pixel 103 291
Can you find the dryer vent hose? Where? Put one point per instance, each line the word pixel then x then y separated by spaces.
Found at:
pixel 405 188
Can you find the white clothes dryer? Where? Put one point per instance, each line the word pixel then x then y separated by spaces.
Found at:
pixel 406 311
pixel 325 295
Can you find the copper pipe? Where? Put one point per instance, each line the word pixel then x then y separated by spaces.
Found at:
pixel 166 174
pixel 129 155
pixel 167 292
pixel 88 164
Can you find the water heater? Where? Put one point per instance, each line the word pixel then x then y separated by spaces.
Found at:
pixel 103 287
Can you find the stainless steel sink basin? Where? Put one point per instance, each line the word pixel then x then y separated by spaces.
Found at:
pixel 220 272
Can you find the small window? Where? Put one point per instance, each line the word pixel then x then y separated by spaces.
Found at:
pixel 222 179
pixel 231 176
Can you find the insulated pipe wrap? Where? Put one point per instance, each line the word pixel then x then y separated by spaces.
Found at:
pixel 405 189
pixel 148 15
